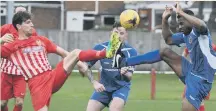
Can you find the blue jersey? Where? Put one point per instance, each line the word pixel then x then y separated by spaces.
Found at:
pixel 111 77
pixel 203 57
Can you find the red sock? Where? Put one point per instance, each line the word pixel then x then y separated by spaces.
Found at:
pixel 89 55
pixel 5 109
pixel 202 108
pixel 17 108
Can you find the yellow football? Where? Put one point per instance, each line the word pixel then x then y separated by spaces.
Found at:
pixel 129 19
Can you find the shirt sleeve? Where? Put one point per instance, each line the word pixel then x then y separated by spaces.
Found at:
pixel 7 50
pixel 98 48
pixel 198 33
pixel 178 39
pixel 132 53
pixel 4 29
pixel 50 46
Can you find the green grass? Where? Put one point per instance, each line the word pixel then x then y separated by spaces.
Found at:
pixel 75 93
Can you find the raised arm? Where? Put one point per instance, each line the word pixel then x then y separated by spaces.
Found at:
pixel 61 52
pixel 6 50
pixel 166 32
pixel 199 24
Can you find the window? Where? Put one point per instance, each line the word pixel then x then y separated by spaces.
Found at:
pixel 109 20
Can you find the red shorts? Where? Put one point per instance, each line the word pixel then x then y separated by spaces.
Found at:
pixel 42 86
pixel 12 86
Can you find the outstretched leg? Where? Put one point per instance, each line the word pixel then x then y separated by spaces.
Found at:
pixel 179 65
pixel 165 54
pixel 65 67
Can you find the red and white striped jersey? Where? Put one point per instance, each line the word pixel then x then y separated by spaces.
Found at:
pixel 7 66
pixel 30 54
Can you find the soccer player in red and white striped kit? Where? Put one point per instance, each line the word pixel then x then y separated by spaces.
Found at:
pixel 29 53
pixel 13 84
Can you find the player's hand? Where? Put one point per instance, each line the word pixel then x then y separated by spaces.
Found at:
pixel 7 38
pixel 124 70
pixel 98 86
pixel 178 8
pixel 167 12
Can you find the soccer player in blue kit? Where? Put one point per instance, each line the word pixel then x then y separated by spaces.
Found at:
pixel 114 86
pixel 197 75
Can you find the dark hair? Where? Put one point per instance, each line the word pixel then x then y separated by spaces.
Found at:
pixel 189 12
pixel 116 25
pixel 20 17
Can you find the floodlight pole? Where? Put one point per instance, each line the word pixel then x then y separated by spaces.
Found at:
pixel 10 11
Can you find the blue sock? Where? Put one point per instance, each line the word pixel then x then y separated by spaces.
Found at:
pixel 148 58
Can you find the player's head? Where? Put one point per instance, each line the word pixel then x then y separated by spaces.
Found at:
pixel 184 25
pixel 22 22
pixel 19 8
pixel 120 30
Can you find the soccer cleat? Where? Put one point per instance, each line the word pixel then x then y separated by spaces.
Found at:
pixel 113 46
pixel 119 60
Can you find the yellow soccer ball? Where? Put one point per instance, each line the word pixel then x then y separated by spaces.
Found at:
pixel 129 19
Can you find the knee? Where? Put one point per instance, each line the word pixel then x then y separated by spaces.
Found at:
pixel 184 101
pixel 75 52
pixel 19 102
pixel 187 106
pixel 3 104
pixel 164 51
pixel 115 108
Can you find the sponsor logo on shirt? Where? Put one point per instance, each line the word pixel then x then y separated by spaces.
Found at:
pixel 33 49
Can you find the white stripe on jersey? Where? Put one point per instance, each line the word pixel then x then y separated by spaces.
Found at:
pixel 3 64
pixel 43 56
pixel 15 63
pixel 35 63
pixel 38 56
pixel 19 70
pixel 9 67
pixel 14 70
pixel 204 46
pixel 29 64
pixel 23 64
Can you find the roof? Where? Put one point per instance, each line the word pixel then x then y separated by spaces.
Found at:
pixel 207 4
pixel 113 11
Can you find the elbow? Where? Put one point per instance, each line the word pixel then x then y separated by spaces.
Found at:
pixel 203 28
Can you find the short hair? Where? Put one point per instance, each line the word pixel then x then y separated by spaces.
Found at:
pixel 20 17
pixel 117 24
pixel 187 11
pixel 19 6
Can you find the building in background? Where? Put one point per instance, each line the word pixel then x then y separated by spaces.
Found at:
pixel 69 15
pixel 86 15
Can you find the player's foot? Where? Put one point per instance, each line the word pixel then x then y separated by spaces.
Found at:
pixel 113 46
pixel 119 60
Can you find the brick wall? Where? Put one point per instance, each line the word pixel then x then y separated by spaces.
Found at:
pixel 46 18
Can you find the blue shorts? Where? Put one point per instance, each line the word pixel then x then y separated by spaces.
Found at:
pixel 196 88
pixel 106 97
